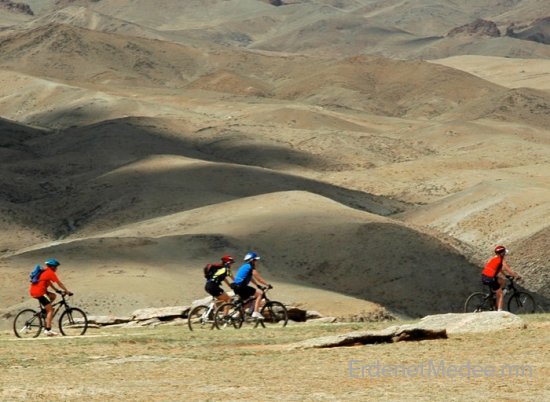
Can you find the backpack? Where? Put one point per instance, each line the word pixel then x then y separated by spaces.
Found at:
pixel 35 274
pixel 210 269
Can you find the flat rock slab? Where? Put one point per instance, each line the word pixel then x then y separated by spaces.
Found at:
pixel 388 335
pixel 107 319
pixel 459 323
pixel 429 327
pixel 160 313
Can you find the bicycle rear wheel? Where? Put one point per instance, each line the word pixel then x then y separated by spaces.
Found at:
pixel 478 302
pixel 73 322
pixel 199 318
pixel 229 314
pixel 521 303
pixel 27 324
pixel 275 314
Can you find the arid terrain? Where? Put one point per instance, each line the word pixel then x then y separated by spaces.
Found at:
pixel 170 363
pixel 372 152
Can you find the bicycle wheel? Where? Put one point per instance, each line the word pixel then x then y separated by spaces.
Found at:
pixel 478 302
pixel 275 314
pixel 229 314
pixel 27 324
pixel 521 303
pixel 73 322
pixel 199 318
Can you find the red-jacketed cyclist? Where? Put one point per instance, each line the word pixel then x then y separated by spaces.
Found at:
pixel 491 274
pixel 40 291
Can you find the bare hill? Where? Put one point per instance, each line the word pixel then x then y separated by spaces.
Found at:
pixel 537 31
pixel 373 85
pixel 396 28
pixel 362 180
pixel 508 72
pixel 64 52
pixel 523 105
pixel 303 239
pixel 85 18
pixel 124 153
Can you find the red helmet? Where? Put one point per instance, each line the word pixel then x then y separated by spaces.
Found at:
pixel 227 259
pixel 501 250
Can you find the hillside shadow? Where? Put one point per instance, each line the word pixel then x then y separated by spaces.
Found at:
pixel 149 191
pixel 73 177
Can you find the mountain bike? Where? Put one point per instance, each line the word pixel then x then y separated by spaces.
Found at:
pixel 28 323
pixel 202 316
pixel 235 314
pixel 518 302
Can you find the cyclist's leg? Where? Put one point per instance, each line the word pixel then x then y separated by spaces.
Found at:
pixel 258 296
pixel 500 282
pixel 223 298
pixel 246 294
pixel 494 286
pixel 215 291
pixel 219 295
pixel 46 302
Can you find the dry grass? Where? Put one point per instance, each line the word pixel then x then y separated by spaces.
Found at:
pixel 171 363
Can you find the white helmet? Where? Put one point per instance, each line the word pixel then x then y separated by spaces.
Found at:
pixel 251 256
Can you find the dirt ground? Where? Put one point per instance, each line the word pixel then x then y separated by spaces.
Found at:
pixel 170 363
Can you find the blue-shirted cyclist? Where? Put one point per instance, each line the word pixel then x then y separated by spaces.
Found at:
pixel 247 273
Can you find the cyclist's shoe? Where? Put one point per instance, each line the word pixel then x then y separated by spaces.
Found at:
pixel 49 332
pixel 257 315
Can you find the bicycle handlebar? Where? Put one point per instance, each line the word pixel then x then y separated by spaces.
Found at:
pixel 63 293
pixel 512 278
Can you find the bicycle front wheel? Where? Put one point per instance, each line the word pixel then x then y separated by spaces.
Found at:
pixel 521 303
pixel 275 314
pixel 73 322
pixel 229 314
pixel 478 302
pixel 200 318
pixel 27 324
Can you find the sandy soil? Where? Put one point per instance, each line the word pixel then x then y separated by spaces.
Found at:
pixel 171 363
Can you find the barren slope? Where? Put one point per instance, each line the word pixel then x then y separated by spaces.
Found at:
pixel 303 239
pixel 160 156
pixel 511 73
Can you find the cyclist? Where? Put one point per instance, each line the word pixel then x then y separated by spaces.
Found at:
pixel 248 273
pixel 40 292
pixel 215 275
pixel 491 274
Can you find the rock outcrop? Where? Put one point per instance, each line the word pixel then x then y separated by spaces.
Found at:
pixel 430 327
pixel 479 27
pixel 16 7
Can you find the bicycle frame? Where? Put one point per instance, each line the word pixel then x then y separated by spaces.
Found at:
pixel 518 301
pixel 238 301
pixel 72 321
pixel 56 306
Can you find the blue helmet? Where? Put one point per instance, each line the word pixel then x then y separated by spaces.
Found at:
pixel 52 262
pixel 251 256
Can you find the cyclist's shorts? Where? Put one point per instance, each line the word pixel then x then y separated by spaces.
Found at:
pixel 491 282
pixel 213 288
pixel 44 300
pixel 244 292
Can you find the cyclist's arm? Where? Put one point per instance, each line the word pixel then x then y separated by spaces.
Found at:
pixel 61 285
pixel 256 277
pixel 508 270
